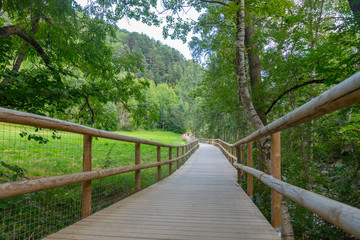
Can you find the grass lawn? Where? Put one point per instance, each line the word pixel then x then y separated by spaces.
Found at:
pixel 46 153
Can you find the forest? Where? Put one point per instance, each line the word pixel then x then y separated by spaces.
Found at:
pixel 254 61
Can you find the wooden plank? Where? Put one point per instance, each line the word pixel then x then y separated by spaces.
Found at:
pixel 86 185
pixel 199 201
pixel 276 173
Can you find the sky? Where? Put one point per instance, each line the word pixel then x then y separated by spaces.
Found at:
pixel 132 25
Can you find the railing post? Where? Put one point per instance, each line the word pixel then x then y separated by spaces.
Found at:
pixel 86 185
pixel 170 157
pixel 243 160
pixel 137 172
pixel 232 152
pixel 250 164
pixel 182 154
pixel 276 173
pixel 228 149
pixel 158 153
pixel 177 155
pixel 238 155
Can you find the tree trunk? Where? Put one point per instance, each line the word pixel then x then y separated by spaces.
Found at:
pixel 287 232
pixel 254 69
pixel 244 95
pixel 355 8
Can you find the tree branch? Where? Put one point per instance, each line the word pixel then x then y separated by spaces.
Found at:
pixel 91 110
pixel 291 89
pixel 15 30
pixel 213 1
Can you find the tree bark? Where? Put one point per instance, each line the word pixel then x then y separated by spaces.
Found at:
pixel 244 95
pixel 287 232
pixel 254 69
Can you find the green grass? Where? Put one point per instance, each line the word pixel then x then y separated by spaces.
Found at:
pixel 62 152
pixel 35 215
pixel 157 136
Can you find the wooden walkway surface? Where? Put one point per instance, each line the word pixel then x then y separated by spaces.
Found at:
pixel 200 201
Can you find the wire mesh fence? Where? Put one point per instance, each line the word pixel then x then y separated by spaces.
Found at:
pixel 35 215
pixel 40 152
pixel 30 153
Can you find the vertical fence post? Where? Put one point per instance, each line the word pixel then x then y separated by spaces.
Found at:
pixel 86 185
pixel 182 154
pixel 250 164
pixel 137 172
pixel 238 155
pixel 228 149
pixel 177 155
pixel 170 157
pixel 232 152
pixel 158 153
pixel 243 160
pixel 276 173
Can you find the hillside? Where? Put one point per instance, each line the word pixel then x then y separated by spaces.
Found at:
pixel 161 63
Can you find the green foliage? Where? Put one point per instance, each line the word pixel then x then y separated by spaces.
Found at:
pixel 11 172
pixel 162 64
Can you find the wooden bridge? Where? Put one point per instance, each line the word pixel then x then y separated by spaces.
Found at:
pixel 201 200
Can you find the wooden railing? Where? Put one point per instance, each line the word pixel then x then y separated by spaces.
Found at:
pixel 345 217
pixel 12 189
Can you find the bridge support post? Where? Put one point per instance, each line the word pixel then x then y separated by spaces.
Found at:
pixel 137 172
pixel 250 191
pixel 170 157
pixel 86 185
pixel 238 155
pixel 158 153
pixel 276 173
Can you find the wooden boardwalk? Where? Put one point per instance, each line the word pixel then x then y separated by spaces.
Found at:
pixel 200 201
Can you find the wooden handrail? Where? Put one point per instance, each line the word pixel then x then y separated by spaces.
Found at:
pixel 17 117
pixel 13 189
pixel 339 214
pixel 342 95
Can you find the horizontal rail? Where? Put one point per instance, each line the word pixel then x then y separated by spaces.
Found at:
pixel 342 95
pixel 17 117
pixel 13 189
pixel 226 151
pixel 339 214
